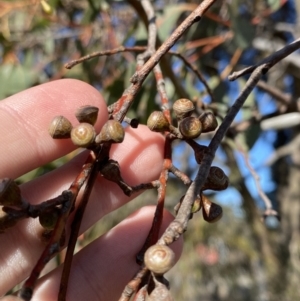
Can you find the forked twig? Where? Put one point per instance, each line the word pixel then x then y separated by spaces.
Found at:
pixel 269 61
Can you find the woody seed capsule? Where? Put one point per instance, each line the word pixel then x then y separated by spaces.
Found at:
pixel 10 193
pixel 87 114
pixel 60 128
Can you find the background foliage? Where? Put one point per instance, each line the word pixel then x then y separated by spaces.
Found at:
pixel 239 257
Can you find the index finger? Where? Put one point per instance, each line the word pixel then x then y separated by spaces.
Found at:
pixel 25 117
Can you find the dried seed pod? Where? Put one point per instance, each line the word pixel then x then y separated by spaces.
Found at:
pixel 190 127
pixel 182 108
pixel 209 122
pixel 212 212
pixel 49 218
pixel 87 114
pixel 6 220
pixel 159 259
pixel 10 193
pixel 161 290
pixel 112 132
pixel 83 135
pixel 111 172
pixel 157 122
pixel 216 180
pixel 60 128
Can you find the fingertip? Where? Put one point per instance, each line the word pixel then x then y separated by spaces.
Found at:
pixel 25 119
pixel 140 155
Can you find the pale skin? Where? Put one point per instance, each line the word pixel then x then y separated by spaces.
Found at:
pixel 101 270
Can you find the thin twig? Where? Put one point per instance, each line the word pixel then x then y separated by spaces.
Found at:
pixel 196 71
pixel 73 63
pixel 121 49
pixel 256 178
pixel 269 61
pixel 284 98
pixel 285 150
pixel 101 156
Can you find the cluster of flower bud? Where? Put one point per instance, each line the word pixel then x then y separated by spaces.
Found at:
pixel 189 127
pixel 212 212
pixel 84 134
pixel 10 198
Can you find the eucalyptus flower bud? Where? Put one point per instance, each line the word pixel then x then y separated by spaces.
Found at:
pixel 83 135
pixel 159 259
pixel 112 131
pixel 157 122
pixel 190 127
pixel 87 114
pixel 211 211
pixel 209 122
pixel 182 108
pixel 216 180
pixel 60 128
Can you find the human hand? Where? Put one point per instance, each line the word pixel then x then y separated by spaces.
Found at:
pixel 101 270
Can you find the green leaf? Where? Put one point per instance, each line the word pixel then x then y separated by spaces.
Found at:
pixel 244 31
pixel 274 4
pixel 168 21
pixel 252 134
pixel 248 137
pixel 15 78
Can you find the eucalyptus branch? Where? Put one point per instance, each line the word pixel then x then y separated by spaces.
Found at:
pixel 179 225
pixel 269 61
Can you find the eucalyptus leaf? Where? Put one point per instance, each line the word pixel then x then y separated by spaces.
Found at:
pixel 274 4
pixel 168 21
pixel 15 78
pixel 244 30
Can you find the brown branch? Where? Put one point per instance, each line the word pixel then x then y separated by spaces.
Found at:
pixel 102 156
pixel 269 61
pixel 235 58
pixel 134 284
pixel 109 52
pixel 283 98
